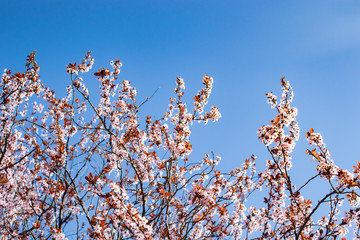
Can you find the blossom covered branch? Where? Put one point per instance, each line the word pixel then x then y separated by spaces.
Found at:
pixel 71 168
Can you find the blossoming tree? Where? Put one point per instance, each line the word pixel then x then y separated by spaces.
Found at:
pixel 74 169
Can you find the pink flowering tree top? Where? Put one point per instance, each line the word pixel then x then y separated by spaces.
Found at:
pixel 71 168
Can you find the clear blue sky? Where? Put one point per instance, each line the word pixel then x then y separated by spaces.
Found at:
pixel 247 46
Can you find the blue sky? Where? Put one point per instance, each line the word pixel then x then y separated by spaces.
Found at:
pixel 247 46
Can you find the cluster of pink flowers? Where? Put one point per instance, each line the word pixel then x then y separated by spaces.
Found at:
pixel 69 174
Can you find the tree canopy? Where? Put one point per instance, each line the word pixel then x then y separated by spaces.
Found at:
pixel 71 168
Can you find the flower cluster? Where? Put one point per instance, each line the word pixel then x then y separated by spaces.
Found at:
pixel 71 168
